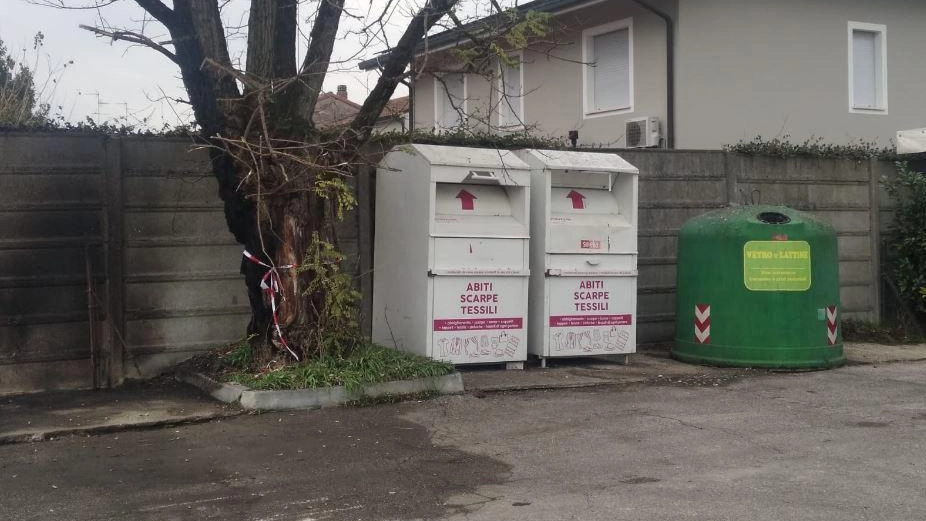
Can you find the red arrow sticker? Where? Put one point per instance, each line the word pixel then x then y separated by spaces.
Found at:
pixel 578 200
pixel 466 200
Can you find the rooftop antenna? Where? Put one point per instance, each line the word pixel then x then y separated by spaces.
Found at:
pixel 99 104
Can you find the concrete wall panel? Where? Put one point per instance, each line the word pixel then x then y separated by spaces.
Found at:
pixel 199 190
pixel 42 225
pixel 51 209
pixel 191 334
pixel 198 261
pixel 45 342
pixel 184 226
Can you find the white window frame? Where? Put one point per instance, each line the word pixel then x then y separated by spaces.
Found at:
pixel 880 31
pixel 587 56
pixel 440 92
pixel 518 124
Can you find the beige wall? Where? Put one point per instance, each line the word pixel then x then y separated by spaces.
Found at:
pixel 553 80
pixel 744 68
pixel 758 67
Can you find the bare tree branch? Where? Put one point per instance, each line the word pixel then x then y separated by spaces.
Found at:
pixel 203 23
pixel 317 57
pixel 130 36
pixel 473 37
pixel 158 10
pixel 195 29
pixel 59 4
pixel 394 66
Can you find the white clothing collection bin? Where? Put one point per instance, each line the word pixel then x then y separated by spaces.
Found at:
pixel 451 253
pixel 583 289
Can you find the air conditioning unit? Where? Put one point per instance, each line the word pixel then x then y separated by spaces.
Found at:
pixel 642 132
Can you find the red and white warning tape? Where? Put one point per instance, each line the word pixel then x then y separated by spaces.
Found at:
pixel 270 283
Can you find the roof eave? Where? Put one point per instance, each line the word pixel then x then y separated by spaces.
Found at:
pixel 454 36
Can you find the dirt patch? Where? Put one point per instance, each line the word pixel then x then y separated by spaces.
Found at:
pixel 716 378
pixel 211 364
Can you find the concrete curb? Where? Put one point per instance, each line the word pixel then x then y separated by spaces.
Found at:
pixel 48 434
pixel 301 399
pixel 318 398
pixel 223 392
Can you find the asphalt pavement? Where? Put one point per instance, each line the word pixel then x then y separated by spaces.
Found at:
pixel 845 444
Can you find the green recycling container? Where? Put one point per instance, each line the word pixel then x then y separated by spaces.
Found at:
pixel 758 286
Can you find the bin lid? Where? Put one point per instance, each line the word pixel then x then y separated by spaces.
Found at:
pixel 469 157
pixel 582 161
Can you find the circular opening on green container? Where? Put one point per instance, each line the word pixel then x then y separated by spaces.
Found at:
pixel 773 218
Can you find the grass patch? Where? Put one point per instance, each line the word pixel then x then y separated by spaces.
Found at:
pixel 367 365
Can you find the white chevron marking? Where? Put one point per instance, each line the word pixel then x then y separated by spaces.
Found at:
pixel 702 316
pixel 702 336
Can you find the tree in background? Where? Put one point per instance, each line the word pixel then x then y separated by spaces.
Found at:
pixel 25 99
pixel 282 180
pixel 17 89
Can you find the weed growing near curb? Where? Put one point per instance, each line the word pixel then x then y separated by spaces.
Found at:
pixel 240 356
pixel 363 366
pixel 368 401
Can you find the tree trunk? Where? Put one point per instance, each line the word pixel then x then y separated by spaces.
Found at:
pixel 287 222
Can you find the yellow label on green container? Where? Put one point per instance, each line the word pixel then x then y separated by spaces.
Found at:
pixel 776 265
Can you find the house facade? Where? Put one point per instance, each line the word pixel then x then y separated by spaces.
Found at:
pixel 712 72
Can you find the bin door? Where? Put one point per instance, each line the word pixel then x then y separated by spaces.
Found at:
pixel 580 219
pixel 592 213
pixel 479 210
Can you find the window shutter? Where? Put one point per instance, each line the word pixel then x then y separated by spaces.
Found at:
pixel 611 70
pixel 452 96
pixel 509 109
pixel 864 69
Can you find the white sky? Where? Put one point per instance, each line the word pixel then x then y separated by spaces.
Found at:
pixel 116 79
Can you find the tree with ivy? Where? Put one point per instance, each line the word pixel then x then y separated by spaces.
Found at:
pixel 283 181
